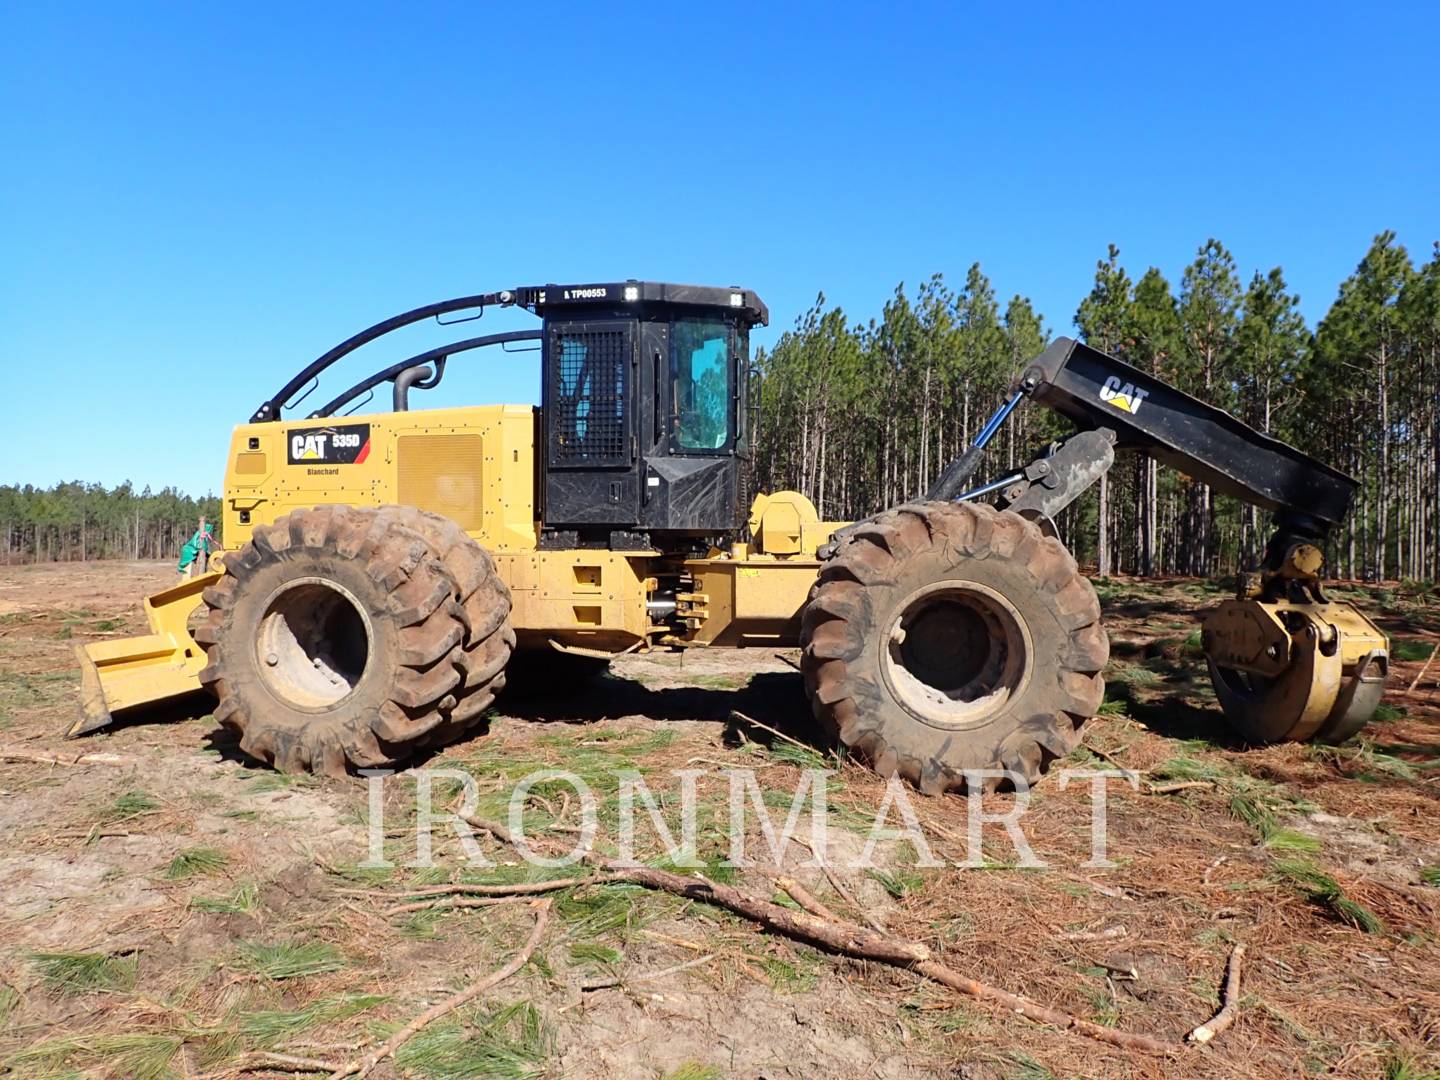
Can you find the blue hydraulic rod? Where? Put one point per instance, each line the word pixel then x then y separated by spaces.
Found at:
pixel 958 471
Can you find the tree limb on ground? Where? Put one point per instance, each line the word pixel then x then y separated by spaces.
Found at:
pixel 1179 785
pixel 445 903
pixel 268 1061
pixel 363 1068
pixel 39 757
pixel 1416 681
pixel 818 926
pixel 948 976
pixel 1108 934
pixel 844 893
pixel 519 888
pixel 1226 1016
pixel 651 976
pixel 738 715
pixel 848 939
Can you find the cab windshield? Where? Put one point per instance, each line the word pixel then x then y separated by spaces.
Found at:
pixel 700 384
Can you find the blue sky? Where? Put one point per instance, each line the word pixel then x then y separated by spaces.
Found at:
pixel 196 200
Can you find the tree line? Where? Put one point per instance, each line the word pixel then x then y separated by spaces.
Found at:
pixel 90 521
pixel 860 416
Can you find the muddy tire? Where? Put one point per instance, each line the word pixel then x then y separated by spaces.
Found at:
pixel 347 638
pixel 489 637
pixel 946 637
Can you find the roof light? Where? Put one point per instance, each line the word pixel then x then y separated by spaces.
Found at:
pixel 737 300
pixel 632 292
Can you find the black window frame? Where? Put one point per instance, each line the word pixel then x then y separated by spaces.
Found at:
pixel 732 420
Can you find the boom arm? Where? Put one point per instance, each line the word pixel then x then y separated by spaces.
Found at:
pixel 1148 414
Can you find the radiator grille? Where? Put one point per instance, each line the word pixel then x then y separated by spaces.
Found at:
pixel 442 473
pixel 587 396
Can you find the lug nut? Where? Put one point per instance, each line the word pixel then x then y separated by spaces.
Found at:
pixel 272 659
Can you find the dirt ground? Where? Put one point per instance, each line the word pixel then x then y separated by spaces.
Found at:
pixel 179 911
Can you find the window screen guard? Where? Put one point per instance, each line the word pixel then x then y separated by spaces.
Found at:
pixel 589 413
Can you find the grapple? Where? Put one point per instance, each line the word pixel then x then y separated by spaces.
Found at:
pixel 1289 664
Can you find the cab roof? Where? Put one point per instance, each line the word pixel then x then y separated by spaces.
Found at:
pixel 612 295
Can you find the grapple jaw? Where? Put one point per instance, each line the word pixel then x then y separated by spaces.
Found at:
pixel 1287 671
pixel 131 673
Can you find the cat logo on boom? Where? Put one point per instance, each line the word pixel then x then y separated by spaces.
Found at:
pixel 1123 395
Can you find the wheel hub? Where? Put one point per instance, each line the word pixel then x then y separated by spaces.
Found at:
pixel 956 653
pixel 313 647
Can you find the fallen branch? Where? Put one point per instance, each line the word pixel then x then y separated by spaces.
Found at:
pixel 844 893
pixel 268 1061
pixel 825 931
pixel 1179 785
pixel 494 828
pixel 738 715
pixel 1095 935
pixel 39 757
pixel 1109 755
pixel 649 976
pixel 806 899
pixel 445 903
pixel 519 888
pixel 363 1068
pixel 1416 681
pixel 1226 1016
pixel 1039 1013
pixel 851 939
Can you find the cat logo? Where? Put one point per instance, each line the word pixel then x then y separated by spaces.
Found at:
pixel 344 444
pixel 1123 395
pixel 308 447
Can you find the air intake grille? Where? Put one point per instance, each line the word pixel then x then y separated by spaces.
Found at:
pixel 589 365
pixel 442 473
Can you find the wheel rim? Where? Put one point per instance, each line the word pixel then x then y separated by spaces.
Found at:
pixel 956 653
pixel 314 644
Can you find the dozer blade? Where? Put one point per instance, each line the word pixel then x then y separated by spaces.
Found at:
pixel 1288 672
pixel 116 676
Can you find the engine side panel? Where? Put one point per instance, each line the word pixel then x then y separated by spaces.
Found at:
pixel 473 465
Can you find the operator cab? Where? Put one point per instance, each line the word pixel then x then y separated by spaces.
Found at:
pixel 644 417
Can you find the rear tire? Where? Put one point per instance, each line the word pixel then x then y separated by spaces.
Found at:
pixel 347 638
pixel 946 637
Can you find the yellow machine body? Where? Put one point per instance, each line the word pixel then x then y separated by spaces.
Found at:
pixel 476 466
pixel 1282 670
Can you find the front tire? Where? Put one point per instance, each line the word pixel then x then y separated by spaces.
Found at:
pixel 943 638
pixel 344 638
